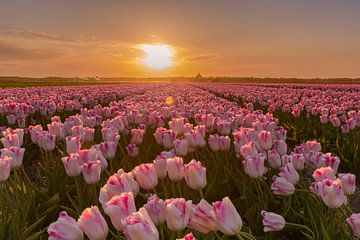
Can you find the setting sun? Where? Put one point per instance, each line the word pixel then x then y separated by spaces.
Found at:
pixel 157 55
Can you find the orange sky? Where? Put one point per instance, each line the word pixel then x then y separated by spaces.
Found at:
pixel 280 38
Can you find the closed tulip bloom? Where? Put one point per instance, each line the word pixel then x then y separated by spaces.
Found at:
pixel 348 182
pixel 132 150
pixel 298 160
pixel 178 212
pixel 93 224
pixel 145 175
pixel 89 134
pixel 214 142
pixel 137 136
pixel 274 159
pixel 91 172
pixel 289 173
pixel 280 146
pixel 248 150
pixel 282 187
pixel 181 147
pixel 168 138
pixel 138 226
pixel 56 128
pixel 65 228
pixel 229 220
pixel 16 154
pixel 5 165
pixel 72 165
pixel 155 207
pixel 46 141
pixel 175 168
pixel 224 143
pixel 119 207
pixel 264 139
pixel 160 164
pixel 323 173
pixel 121 182
pixel 203 218
pixel 255 166
pixel 33 130
pixel 10 140
pixel 73 144
pixel 108 149
pixel 332 193
pixel 195 175
pixel 158 135
pixel 354 222
pixel 78 131
pixel 272 221
pixel 188 236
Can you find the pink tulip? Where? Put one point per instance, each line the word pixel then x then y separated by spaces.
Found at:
pixel 195 175
pixel 155 207
pixel 108 149
pixel 178 212
pixel 137 136
pixel 203 218
pixel 282 187
pixel 354 222
pixel 10 140
pixel 72 165
pixel 119 207
pixel 89 134
pixel 91 172
pixel 5 165
pixel 229 220
pixel 73 144
pixel 160 164
pixel 280 146
pixel 121 182
pixel 248 150
pixel 255 166
pixel 323 173
pixel 33 130
pixel 332 193
pixel 175 168
pixel 56 128
pixel 289 173
pixel 188 236
pixel 145 175
pixel 264 139
pixel 274 159
pixel 132 150
pixel 65 228
pixel 93 224
pixel 272 221
pixel 348 182
pixel 138 226
pixel 16 154
pixel 181 147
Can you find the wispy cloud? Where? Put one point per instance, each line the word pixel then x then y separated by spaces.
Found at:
pixel 204 57
pixel 10 52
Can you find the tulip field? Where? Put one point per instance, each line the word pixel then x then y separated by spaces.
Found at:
pixel 204 161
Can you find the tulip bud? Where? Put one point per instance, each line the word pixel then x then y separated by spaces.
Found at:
pixel 264 139
pixel 72 165
pixel 16 154
pixel 348 182
pixel 289 173
pixel 272 221
pixel 91 172
pixel 73 144
pixel 203 218
pixel 254 166
pixel 175 168
pixel 178 212
pixel 160 165
pixel 119 207
pixel 274 159
pixel 5 163
pixel 138 226
pixel 354 222
pixel 145 175
pixel 93 224
pixel 155 207
pixel 195 175
pixel 282 187
pixel 229 220
pixel 65 228
pixel 331 192
pixel 280 146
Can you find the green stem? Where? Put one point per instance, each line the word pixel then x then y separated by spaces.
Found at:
pixel 201 194
pixel 295 225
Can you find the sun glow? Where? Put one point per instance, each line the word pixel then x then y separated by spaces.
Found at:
pixel 157 56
